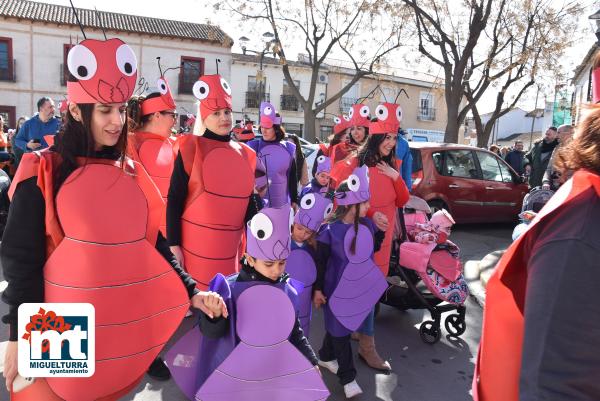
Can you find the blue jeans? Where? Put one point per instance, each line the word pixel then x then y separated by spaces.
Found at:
pixel 368 326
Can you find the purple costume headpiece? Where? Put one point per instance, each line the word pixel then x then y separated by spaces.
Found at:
pixel 268 233
pixel 358 183
pixel 313 209
pixel 268 115
pixel 323 164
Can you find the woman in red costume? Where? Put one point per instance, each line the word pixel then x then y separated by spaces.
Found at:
pixel 84 227
pixel 540 337
pixel 341 131
pixel 150 143
pixel 388 192
pixel 211 195
pixel 359 131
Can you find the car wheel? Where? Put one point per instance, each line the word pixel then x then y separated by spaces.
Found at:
pixel 436 205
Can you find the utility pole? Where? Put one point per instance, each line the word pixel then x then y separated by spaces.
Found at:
pixel 534 116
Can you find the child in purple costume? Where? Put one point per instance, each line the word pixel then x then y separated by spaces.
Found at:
pixel 347 236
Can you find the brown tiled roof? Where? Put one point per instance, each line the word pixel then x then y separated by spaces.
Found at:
pixel 53 13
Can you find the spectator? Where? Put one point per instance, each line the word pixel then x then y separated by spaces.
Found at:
pixel 4 155
pixel 540 328
pixel 17 151
pixel 495 149
pixel 504 151
pixel 537 159
pixel 552 177
pixel 403 153
pixel 516 158
pixel 31 135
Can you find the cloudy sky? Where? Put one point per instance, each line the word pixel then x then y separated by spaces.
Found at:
pixel 202 11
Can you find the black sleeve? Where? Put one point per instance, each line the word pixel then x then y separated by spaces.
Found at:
pixel 299 340
pixel 293 182
pixel 378 240
pixel 213 328
pixel 560 359
pixel 178 190
pixel 314 167
pixel 163 248
pixel 255 204
pixel 23 251
pixel 322 256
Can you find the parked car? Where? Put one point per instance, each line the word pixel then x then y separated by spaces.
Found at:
pixel 474 185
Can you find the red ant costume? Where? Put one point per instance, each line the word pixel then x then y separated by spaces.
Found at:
pixel 211 186
pixel 386 195
pixel 359 117
pixel 102 242
pixel 153 151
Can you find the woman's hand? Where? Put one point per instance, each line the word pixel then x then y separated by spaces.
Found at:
pixel 388 170
pixel 210 303
pixel 10 364
pixel 381 221
pixel 319 299
pixel 176 250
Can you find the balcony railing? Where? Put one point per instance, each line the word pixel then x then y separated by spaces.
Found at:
pixel 8 74
pixel 346 104
pixel 426 114
pixel 253 99
pixel 289 103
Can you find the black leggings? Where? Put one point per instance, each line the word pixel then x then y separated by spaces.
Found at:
pixel 339 348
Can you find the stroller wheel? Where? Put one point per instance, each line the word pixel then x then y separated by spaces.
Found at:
pixel 455 324
pixel 430 332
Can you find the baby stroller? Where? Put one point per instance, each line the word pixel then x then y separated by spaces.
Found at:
pixel 426 275
pixel 533 202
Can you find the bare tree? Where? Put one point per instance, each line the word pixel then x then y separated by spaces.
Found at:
pixel 481 45
pixel 365 31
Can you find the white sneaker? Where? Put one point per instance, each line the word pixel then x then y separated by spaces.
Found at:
pixel 331 366
pixel 352 389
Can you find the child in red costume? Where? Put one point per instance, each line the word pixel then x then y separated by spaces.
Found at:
pixel 211 194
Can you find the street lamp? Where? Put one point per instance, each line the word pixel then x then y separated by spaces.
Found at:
pixel 596 17
pixel 269 39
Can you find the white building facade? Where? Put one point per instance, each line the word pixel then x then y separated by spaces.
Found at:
pixel 35 38
pixel 519 121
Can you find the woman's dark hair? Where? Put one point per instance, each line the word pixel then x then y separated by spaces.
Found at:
pixel 338 138
pixel 342 210
pixel 299 155
pixel 583 151
pixel 134 111
pixel 369 152
pixel 75 139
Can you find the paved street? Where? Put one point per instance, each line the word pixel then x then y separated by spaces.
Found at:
pixel 421 372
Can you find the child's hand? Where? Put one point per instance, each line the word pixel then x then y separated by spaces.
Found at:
pixel 319 299
pixel 211 304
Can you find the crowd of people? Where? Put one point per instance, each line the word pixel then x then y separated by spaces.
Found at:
pixel 109 207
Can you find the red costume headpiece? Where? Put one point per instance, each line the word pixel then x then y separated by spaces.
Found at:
pixel 359 115
pixel 213 92
pixel 389 116
pixel 105 71
pixel 160 103
pixel 244 132
pixel 341 123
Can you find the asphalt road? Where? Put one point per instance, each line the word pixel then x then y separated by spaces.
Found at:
pixel 421 372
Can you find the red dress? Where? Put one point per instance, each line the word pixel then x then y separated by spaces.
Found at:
pixel 221 181
pixel 101 232
pixel 386 197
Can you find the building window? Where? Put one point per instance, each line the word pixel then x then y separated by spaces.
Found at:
pixel 426 107
pixel 288 100
pixel 325 132
pixel 192 68
pixel 8 114
pixel 256 93
pixel 349 98
pixel 64 68
pixel 6 60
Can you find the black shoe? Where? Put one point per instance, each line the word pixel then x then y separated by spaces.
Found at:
pixel 159 370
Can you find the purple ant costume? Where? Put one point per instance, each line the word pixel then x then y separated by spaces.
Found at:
pixel 313 209
pixel 254 360
pixel 353 282
pixel 276 156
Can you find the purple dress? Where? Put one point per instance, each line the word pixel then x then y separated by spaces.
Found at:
pixel 353 282
pixel 301 266
pixel 277 158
